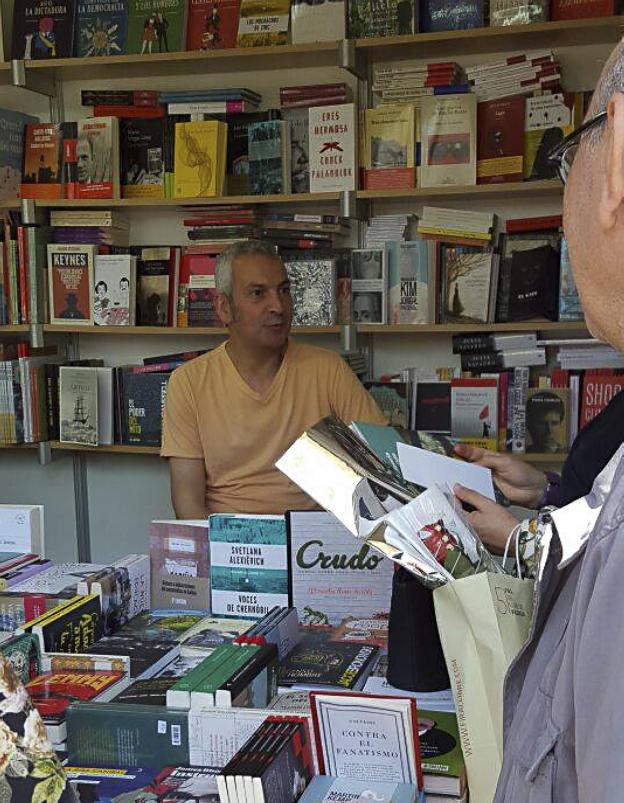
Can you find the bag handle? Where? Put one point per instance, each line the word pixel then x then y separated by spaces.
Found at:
pixel 515 533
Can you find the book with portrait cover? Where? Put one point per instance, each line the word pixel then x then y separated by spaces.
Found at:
pixel 143 143
pixel 500 145
pixel 43 29
pixel 70 281
pixel 97 158
pixel 212 24
pixel 389 147
pixel 299 149
pixel 369 285
pixel 448 133
pixel 156 26
pixel 332 140
pixel 180 566
pixel 100 28
pixel 450 15
pixel 114 290
pixel 43 154
pixel 547 420
pixel 12 137
pixel 388 18
pixel 263 23
pixel 313 290
pixel 78 393
pixel 576 9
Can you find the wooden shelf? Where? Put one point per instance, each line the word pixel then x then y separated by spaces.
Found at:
pixel 18 446
pixel 246 200
pixel 172 330
pixel 564 33
pixel 115 448
pixel 309 54
pixel 14 329
pixel 460 328
pixel 516 189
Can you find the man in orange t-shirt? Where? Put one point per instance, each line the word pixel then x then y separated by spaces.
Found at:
pixel 233 412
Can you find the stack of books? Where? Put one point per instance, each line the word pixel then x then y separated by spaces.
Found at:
pixel 520 74
pixel 397 83
pixel 306 96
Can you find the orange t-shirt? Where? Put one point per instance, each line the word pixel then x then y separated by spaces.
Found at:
pixel 211 413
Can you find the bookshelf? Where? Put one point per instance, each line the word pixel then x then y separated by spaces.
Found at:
pixel 15 329
pixel 172 330
pixel 117 203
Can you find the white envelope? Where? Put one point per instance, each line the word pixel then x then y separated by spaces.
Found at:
pixel 429 468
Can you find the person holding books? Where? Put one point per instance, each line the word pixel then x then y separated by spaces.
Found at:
pixel 230 414
pixel 564 693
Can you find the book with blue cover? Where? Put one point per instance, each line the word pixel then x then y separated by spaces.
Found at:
pixel 570 308
pixel 269 157
pixel 450 15
pixel 327 789
pixel 100 28
pixel 248 565
pixel 12 125
pixel 382 440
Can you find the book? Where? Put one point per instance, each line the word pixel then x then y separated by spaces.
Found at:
pixel 570 307
pixel 518 12
pixel 22 529
pixel 199 160
pixel 391 724
pixel 157 270
pixel 549 118
pixel 369 283
pixel 390 18
pixel 98 158
pixel 474 409
pixel 444 771
pixel 332 142
pixel 299 149
pixel 500 144
pixel 114 290
pixel 373 630
pixel 13 128
pixel 320 22
pixel 209 633
pixel 142 404
pixel 78 394
pixel 313 291
pixel 446 15
pixel 254 684
pixel 107 783
pixel 100 28
pixel 157 26
pixel 389 159
pixel 327 789
pixel 332 573
pixel 598 391
pixel 180 565
pixel 41 174
pixel 212 25
pixel 52 692
pixel 381 439
pixel 316 664
pixel 143 143
pixel 72 627
pixel 149 691
pixel 393 400
pixel 70 282
pixel 575 9
pixel 529 277
pixel 22 652
pixel 43 30
pixel 411 288
pixel 248 564
pixel 547 420
pixel 264 25
pixel 269 157
pixel 448 133
pixel 116 735
pixel 468 284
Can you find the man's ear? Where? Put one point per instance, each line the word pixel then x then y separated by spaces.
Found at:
pixel 224 309
pixel 611 205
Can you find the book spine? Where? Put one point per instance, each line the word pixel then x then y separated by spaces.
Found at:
pixel 520 390
pixel 204 694
pixel 22 254
pixel 265 658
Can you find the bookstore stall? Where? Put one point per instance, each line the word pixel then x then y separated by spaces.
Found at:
pixel 396 155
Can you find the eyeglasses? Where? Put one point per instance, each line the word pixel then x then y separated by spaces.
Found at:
pixel 563 155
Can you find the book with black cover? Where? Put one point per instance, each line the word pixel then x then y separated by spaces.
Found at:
pixel 149 691
pixel 143 656
pixel 142 157
pixel 529 278
pixel 73 628
pixel 43 30
pixel 450 15
pixel 318 663
pixel 143 405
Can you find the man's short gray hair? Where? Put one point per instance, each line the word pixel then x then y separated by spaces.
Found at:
pixel 223 268
pixel 611 81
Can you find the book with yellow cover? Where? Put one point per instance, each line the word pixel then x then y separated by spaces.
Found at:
pixel 263 22
pixel 199 160
pixel 389 147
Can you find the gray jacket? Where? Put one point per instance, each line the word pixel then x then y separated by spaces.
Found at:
pixel 564 693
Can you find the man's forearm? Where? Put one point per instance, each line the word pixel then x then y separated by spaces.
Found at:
pixel 189 509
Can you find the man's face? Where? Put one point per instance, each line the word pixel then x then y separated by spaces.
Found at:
pixel 544 431
pixel 260 311
pixel 83 157
pixel 363 309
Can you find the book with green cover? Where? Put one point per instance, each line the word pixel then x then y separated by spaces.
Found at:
pixel 382 440
pixel 156 26
pixel 444 771
pixel 121 735
pixel 179 695
pixel 204 693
